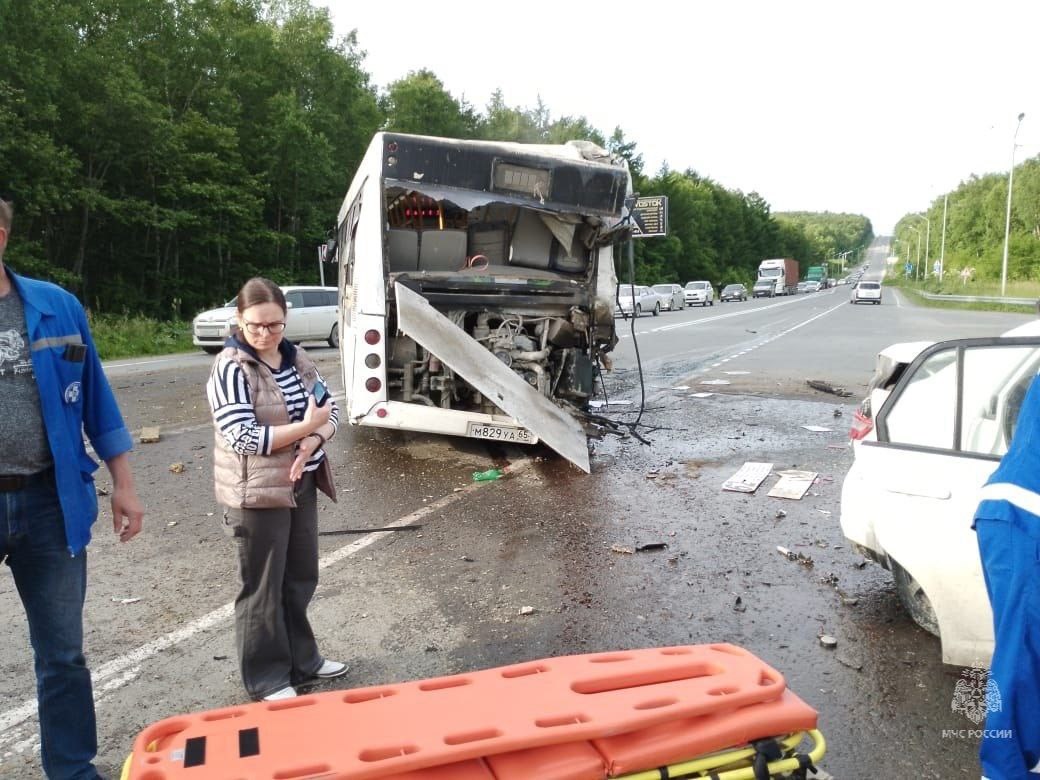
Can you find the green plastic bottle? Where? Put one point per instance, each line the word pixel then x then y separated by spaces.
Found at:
pixel 487 476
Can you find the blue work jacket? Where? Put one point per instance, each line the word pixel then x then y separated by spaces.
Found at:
pixel 74 397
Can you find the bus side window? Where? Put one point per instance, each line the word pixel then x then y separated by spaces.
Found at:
pixel 403 249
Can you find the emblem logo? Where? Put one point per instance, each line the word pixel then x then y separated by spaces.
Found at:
pixel 975 694
pixel 72 394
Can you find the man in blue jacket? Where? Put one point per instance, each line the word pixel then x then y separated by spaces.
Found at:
pixel 1007 523
pixel 52 389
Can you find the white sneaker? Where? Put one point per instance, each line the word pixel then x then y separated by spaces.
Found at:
pixel 330 669
pixel 288 692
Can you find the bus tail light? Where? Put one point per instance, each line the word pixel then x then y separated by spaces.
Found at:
pixel 372 384
pixel 372 336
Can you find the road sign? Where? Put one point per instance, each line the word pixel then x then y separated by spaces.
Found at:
pixel 909 268
pixel 649 216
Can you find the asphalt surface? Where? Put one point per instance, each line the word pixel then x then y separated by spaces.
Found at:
pixel 445 595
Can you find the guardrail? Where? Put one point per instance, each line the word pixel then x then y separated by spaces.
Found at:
pixel 977 299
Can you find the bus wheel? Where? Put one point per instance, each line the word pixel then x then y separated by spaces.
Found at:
pixel 334 337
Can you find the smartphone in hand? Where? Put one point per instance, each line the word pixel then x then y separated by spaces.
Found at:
pixel 321 394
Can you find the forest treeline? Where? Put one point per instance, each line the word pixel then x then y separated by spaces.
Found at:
pixel 976 218
pixel 159 153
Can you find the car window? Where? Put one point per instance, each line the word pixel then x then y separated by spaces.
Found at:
pixel 663 288
pixel 331 298
pixel 977 415
pixel 870 286
pixel 294 299
pixel 314 298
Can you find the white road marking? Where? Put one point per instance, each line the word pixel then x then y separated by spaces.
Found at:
pixel 115 674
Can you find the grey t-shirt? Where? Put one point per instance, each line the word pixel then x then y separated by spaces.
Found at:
pixel 23 439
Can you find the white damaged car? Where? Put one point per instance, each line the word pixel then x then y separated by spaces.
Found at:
pixel 937 421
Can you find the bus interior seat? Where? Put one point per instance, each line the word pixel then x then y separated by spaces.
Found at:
pixel 442 250
pixel 403 249
pixel 532 243
pixel 490 239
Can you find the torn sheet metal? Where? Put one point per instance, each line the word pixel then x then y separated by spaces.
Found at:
pixel 792 484
pixel 435 332
pixel 748 478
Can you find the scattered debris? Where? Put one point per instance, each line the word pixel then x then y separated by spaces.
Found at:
pixel 792 484
pixel 620 548
pixel 597 404
pixel 839 446
pixel 800 557
pixel 467 559
pixel 220 658
pixel 487 476
pixel 619 402
pixel 714 382
pixel 177 468
pixel 171 524
pixel 824 511
pixel 124 601
pixel 827 387
pixel 817 428
pixel 341 531
pixel 829 579
pixel 736 373
pixel 838 412
pixel 849 662
pixel 526 611
pixel 780 514
pixel 748 477
pixel 150 435
pixel 681 387
pixel 739 605
pixel 101 491
pixel 652 547
pixel 860 564
pixel 701 395
pixel 746 330
pixel 828 641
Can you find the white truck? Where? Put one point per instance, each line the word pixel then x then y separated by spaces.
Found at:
pixel 782 272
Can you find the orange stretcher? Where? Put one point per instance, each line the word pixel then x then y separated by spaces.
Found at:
pixel 627 714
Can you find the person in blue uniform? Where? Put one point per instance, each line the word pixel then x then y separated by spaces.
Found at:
pixel 1007 523
pixel 52 390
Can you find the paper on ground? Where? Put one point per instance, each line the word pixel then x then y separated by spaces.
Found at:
pixel 736 373
pixel 701 395
pixel 714 382
pixel 792 484
pixel 817 428
pixel 748 477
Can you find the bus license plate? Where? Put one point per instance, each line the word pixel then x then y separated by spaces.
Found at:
pixel 499 433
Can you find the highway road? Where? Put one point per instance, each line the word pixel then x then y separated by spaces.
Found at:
pixel 447 597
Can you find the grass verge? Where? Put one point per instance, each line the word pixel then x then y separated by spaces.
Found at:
pixel 134 336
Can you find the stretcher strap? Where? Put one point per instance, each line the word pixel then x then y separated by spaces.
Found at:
pixel 766 750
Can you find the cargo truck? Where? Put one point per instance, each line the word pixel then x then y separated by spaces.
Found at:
pixel 782 272
pixel 817 273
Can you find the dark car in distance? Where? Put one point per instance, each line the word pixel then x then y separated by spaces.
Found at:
pixel 733 292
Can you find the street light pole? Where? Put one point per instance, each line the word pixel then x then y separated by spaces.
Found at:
pixel 918 274
pixel 942 249
pixel 1007 222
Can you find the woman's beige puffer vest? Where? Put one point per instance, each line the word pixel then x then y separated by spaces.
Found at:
pixel 262 481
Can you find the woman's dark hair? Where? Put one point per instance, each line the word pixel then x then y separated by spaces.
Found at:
pixel 260 290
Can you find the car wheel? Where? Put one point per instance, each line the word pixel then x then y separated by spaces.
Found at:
pixel 914 599
pixel 657 309
pixel 711 303
pixel 212 350
pixel 639 310
pixel 334 337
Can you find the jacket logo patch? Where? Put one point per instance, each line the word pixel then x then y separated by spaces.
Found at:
pixel 72 393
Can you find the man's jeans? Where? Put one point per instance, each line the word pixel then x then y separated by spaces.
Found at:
pixel 52 584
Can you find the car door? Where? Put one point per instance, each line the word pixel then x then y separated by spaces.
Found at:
pixel 296 321
pixel 940 434
pixel 320 314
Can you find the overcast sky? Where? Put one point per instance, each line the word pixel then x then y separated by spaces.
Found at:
pixel 873 108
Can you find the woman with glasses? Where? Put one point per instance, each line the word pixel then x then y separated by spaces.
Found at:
pixel 272 416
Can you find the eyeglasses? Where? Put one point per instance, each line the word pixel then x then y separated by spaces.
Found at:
pixel 256 328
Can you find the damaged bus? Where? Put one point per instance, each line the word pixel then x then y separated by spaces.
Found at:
pixel 477 286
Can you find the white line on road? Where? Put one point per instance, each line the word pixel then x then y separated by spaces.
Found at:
pixel 113 675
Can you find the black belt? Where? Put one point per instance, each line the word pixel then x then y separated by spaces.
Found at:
pixel 10 483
